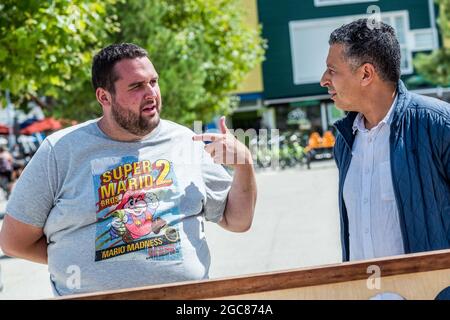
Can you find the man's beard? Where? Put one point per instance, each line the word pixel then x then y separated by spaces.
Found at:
pixel 132 122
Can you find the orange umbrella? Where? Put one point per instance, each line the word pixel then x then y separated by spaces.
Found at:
pixel 4 129
pixel 42 125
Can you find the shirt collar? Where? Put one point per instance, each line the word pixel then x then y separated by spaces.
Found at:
pixel 358 123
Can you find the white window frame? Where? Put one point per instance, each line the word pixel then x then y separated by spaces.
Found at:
pixel 324 3
pixel 408 45
pixel 312 23
pixel 429 32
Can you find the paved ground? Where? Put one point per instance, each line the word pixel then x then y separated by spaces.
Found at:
pixel 296 224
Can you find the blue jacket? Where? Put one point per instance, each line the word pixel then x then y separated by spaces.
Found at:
pixel 420 164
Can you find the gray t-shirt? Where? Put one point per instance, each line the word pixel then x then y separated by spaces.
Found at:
pixel 121 214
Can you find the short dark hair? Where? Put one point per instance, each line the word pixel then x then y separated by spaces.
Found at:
pixel 103 75
pixel 363 44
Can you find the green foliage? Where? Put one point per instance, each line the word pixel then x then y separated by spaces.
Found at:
pixel 434 67
pixel 202 50
pixel 46 47
pixel 444 17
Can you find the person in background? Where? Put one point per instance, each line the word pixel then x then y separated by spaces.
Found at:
pixel 6 169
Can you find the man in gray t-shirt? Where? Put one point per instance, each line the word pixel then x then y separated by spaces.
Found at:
pixel 120 201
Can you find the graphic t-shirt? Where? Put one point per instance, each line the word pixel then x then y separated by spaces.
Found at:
pixel 121 214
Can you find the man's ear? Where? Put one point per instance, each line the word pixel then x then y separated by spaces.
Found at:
pixel 368 74
pixel 103 97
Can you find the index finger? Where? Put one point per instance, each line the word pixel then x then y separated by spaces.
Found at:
pixel 206 137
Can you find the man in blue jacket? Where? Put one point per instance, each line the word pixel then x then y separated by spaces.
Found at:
pixel 392 149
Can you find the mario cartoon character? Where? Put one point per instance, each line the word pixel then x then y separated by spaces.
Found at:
pixel 133 216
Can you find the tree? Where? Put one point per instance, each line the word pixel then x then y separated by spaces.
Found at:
pixel 202 50
pixel 435 66
pixel 46 47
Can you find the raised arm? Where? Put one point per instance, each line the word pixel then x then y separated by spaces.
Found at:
pixel 226 149
pixel 238 215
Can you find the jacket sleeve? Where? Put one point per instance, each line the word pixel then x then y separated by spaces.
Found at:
pixel 446 163
pixel 446 149
pixel 337 150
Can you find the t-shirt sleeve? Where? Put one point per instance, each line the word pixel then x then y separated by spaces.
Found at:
pixel 217 183
pixel 33 196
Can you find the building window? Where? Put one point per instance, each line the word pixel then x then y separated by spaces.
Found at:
pixel 309 43
pixel 423 40
pixel 321 3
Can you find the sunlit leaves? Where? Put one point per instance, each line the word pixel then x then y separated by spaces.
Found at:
pixel 202 50
pixel 43 44
pixel 435 67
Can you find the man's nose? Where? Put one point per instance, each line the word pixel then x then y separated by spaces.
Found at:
pixel 324 81
pixel 150 91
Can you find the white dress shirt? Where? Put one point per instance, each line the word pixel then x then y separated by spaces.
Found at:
pixel 373 219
